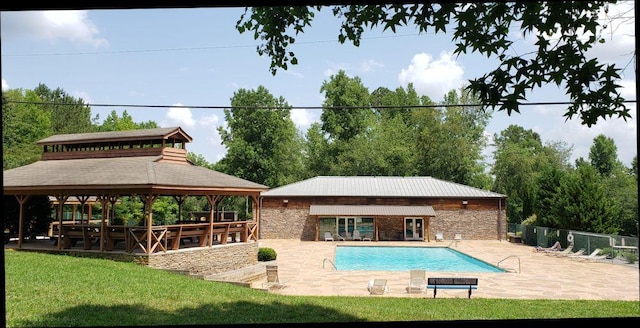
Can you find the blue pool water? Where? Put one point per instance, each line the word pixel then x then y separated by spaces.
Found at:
pixel 392 258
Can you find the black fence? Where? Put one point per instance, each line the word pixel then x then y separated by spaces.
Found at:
pixel 546 237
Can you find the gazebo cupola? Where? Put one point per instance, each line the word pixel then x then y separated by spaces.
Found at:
pixel 169 143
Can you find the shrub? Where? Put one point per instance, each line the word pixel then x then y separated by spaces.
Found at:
pixel 266 254
pixel 630 257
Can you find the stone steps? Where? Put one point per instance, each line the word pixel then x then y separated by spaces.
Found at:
pixel 251 276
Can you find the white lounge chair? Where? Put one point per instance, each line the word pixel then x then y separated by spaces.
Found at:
pixel 594 256
pixel 555 248
pixel 328 236
pixel 439 236
pixel 576 253
pixel 377 287
pixel 564 252
pixel 417 281
pixel 338 237
pixel 457 237
pixel 356 235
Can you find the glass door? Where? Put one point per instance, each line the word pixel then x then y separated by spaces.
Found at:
pixel 413 229
pixel 346 227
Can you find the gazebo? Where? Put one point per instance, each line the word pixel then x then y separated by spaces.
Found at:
pixel 147 164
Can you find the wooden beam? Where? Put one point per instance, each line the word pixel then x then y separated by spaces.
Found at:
pixel 22 199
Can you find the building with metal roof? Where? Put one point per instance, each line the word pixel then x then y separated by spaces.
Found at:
pixel 381 208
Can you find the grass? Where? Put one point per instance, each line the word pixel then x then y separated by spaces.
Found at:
pixel 44 290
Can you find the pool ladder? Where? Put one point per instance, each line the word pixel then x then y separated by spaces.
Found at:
pixel 325 261
pixel 508 257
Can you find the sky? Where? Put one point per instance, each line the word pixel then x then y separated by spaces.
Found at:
pixel 194 57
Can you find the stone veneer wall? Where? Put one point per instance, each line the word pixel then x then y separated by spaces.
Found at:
pixel 477 220
pixel 197 261
pixel 287 223
pixel 472 225
pixel 295 223
pixel 207 260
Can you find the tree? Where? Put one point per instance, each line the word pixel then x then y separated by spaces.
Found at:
pixel 346 110
pixel 515 169
pixel 316 150
pixel 450 139
pixel 604 155
pixel 485 28
pixel 24 122
pixel 68 114
pixel 115 123
pixel 263 144
pixel 581 203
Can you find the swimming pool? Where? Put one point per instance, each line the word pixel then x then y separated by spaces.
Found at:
pixel 400 258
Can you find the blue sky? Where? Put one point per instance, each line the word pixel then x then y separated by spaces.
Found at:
pixel 195 57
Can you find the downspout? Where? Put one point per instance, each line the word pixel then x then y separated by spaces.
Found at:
pixel 500 219
pixel 259 217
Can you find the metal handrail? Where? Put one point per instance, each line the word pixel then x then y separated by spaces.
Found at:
pixel 327 259
pixel 519 268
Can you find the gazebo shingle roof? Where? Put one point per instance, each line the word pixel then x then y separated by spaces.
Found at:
pixel 126 173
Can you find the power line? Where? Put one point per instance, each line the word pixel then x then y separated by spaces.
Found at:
pixel 544 103
pixel 193 48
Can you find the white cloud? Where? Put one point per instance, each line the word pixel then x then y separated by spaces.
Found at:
pixel 334 68
pixel 209 120
pixel 581 137
pixel 180 116
pixel 294 73
pixel 82 95
pixel 5 85
pixel 619 36
pixel 433 78
pixel 370 65
pixel 52 25
pixel 628 90
pixel 302 117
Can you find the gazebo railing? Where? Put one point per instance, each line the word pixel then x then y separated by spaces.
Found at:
pixel 163 237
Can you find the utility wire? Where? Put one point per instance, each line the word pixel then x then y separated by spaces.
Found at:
pixel 544 103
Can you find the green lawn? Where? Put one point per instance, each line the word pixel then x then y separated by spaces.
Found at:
pixel 43 290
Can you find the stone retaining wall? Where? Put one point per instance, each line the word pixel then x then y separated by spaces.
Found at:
pixel 207 260
pixel 194 261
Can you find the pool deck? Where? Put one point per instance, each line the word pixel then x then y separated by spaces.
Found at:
pixel 303 269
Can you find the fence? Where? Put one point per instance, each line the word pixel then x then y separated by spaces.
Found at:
pixel 545 237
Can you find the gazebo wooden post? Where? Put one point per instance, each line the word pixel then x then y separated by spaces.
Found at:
pixel 317 226
pixel 148 204
pixel 104 200
pixel 22 199
pixel 255 208
pixel 83 200
pixel 212 199
pixel 113 200
pixel 180 200
pixel 61 199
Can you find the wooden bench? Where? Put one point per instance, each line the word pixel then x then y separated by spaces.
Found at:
pixel 88 233
pixel 224 230
pixel 452 283
pixel 116 234
pixel 177 233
